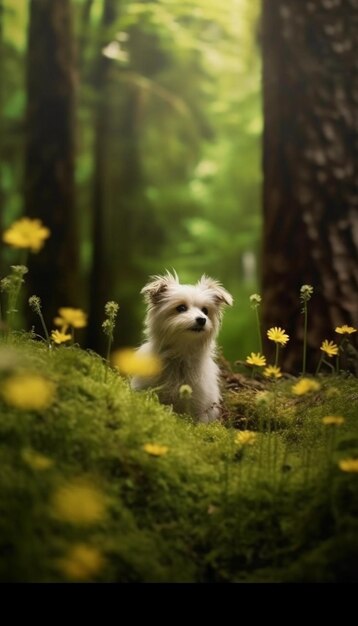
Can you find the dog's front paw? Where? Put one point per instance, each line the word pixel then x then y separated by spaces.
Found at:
pixel 210 415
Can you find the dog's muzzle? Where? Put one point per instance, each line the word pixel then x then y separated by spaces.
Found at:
pixel 199 326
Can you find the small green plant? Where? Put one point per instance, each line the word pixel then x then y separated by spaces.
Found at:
pixel 35 305
pixel 306 292
pixel 11 285
pixel 255 300
pixel 108 326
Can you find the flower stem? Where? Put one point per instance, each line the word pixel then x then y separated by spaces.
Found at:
pixel 44 326
pixel 319 365
pixel 12 302
pixel 329 365
pixel 258 329
pixel 304 358
pixel 276 357
pixel 109 345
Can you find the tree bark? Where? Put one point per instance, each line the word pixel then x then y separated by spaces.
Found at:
pixel 310 82
pixel 49 171
pixel 1 125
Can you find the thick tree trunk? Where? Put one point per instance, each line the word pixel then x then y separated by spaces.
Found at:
pixel 1 124
pixel 49 175
pixel 310 168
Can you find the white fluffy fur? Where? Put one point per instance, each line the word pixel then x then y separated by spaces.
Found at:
pixel 187 354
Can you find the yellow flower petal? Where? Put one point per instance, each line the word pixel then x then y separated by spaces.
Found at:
pixel 59 337
pixel 28 392
pixel 78 503
pixel 155 449
pixel 82 562
pixel 256 359
pixel 329 347
pixel 345 330
pixel 131 363
pixel 71 317
pixel 245 437
pixel 27 233
pixel 305 385
pixel 333 420
pixel 349 465
pixel 271 371
pixel 278 335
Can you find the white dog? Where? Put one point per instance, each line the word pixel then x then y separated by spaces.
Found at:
pixel 181 326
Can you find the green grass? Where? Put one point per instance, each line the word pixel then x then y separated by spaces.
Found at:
pixel 207 511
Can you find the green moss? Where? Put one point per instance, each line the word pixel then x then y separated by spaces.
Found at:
pixel 205 511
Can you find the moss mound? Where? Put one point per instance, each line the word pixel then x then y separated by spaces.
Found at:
pixel 83 497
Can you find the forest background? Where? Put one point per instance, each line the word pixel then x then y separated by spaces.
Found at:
pixel 205 136
pixel 159 103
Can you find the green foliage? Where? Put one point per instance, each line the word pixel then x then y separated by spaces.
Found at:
pixel 183 107
pixel 206 511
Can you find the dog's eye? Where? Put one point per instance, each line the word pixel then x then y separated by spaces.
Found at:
pixel 181 308
pixel 205 310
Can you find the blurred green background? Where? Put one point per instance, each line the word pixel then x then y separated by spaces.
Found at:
pixel 168 119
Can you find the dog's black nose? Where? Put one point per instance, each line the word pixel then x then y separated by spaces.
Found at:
pixel 201 321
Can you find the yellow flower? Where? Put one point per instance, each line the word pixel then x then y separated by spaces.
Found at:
pixel 27 233
pixel 245 437
pixel 333 420
pixel 28 391
pixel 81 562
pixel 256 359
pixel 59 337
pixel 349 465
pixel 278 335
pixel 329 347
pixel 35 460
pixel 345 330
pixel 305 385
pixel 155 449
pixel 70 317
pixel 271 371
pixel 78 503
pixel 131 363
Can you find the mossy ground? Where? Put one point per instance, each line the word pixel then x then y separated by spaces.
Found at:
pixel 206 511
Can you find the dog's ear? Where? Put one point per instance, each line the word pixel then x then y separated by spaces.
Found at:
pixel 220 294
pixel 154 291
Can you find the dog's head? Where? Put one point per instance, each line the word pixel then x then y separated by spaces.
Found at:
pixel 184 314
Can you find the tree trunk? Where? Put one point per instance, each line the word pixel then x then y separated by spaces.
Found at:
pixel 1 125
pixel 310 169
pixel 49 173
pixel 101 273
pixel 125 231
pixel 83 38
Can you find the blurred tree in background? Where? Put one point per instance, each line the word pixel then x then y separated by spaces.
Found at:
pixel 167 149
pixel 310 167
pixel 49 152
